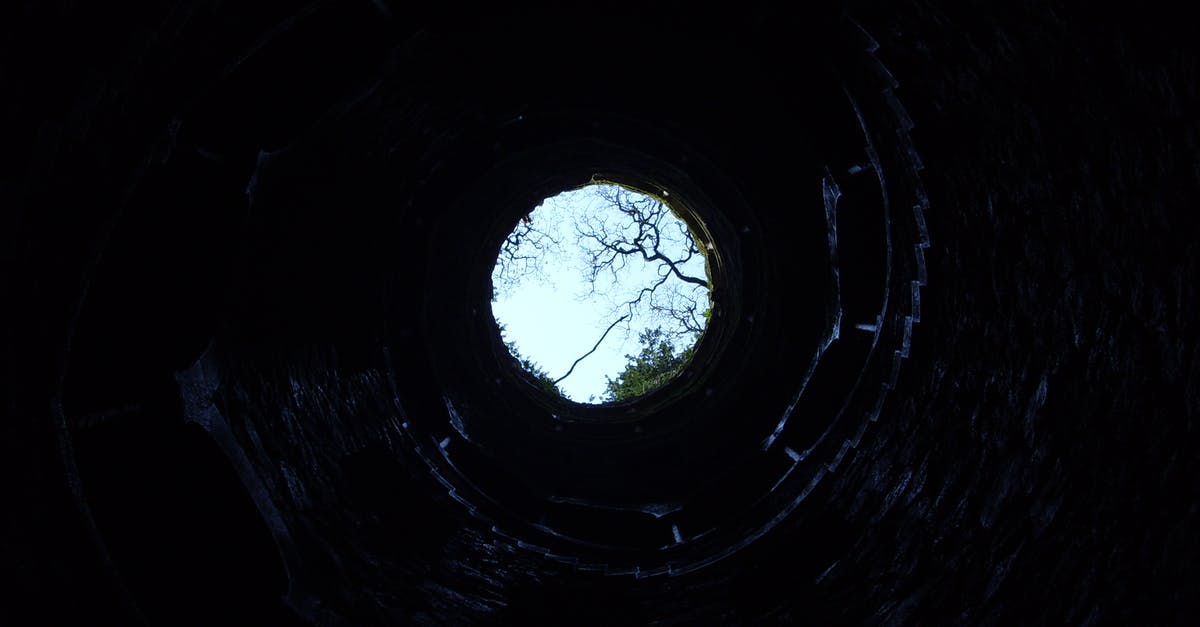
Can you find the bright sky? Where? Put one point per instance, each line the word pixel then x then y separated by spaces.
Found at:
pixel 553 320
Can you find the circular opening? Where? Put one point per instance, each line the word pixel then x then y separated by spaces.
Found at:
pixel 602 292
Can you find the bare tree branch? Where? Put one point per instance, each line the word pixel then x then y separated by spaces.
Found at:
pixel 629 228
pixel 525 251
pixel 594 347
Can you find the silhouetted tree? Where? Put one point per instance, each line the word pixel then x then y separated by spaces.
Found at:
pixel 630 228
pixel 544 379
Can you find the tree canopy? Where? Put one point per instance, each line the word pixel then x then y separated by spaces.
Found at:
pixel 654 366
pixel 641 269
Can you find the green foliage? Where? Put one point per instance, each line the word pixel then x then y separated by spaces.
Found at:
pixel 656 364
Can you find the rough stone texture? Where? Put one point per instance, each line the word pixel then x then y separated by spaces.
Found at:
pixel 202 427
